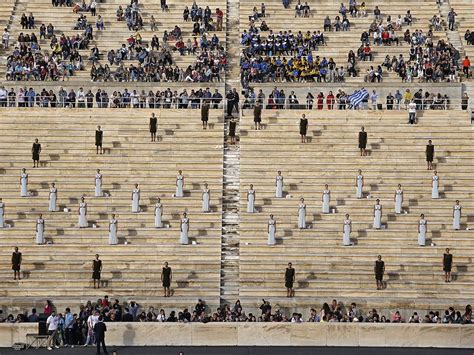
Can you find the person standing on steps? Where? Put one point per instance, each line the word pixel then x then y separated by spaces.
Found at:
pixel 16 263
pixel 153 126
pixel 447 265
pixel 206 198
pixel 99 134
pixel 184 229
pixel 303 128
pixel 40 239
pixel 113 227
pixel 362 141
pixel 379 270
pixel 96 270
pixel 290 280
pixel 257 116
pixel 271 229
pixel 136 199
pixel 158 213
pixel 236 100
pixel 2 213
pixel 430 151
pixel 205 106
pixel 53 197
pixel 302 214
pixel 346 230
pixel 23 183
pixel 279 185
pixel 251 200
pixel 422 226
pixel 457 212
pixel 98 184
pixel 435 185
pixel 179 184
pixel 377 215
pixel 230 103
pixel 398 198
pixel 232 129
pixel 359 184
pixel 326 199
pixel 36 151
pixel 82 212
pixel 166 278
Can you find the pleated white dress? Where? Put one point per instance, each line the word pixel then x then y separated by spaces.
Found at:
pixel 98 185
pixel 82 215
pixel 346 238
pixel 360 179
pixel 158 215
pixel 179 186
pixel 271 232
pixel 24 185
pixel 251 201
pixel 435 187
pixel 113 232
pixel 326 200
pixel 53 196
pixel 302 216
pixel 279 186
pixel 205 200
pixel 398 201
pixel 136 200
pixel 183 238
pixel 40 231
pixel 377 217
pixel 2 214
pixel 457 217
pixel 422 232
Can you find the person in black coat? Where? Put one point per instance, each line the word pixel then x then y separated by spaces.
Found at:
pixel 303 128
pixel 99 332
pixel 232 128
pixel 362 141
pixel 153 125
pixel 379 270
pixel 35 151
pixel 230 102
pixel 16 263
pixel 205 113
pixel 99 134
pixel 429 155
pixel 289 280
pixel 447 265
pixel 257 116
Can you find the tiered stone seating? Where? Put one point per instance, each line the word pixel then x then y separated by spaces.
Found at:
pixel 61 270
pixel 339 43
pixel 324 268
pixel 116 32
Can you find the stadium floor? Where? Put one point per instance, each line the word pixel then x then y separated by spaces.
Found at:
pixel 172 350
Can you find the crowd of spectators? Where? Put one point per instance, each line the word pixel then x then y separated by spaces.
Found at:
pixel 81 98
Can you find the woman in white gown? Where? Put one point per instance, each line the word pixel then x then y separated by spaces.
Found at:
pixel 23 183
pixel 377 215
pixel 113 227
pixel 98 184
pixel 398 198
pixel 326 199
pixel 251 200
pixel 53 197
pixel 40 230
pixel 359 184
pixel 82 211
pixel 422 226
pixel 184 228
pixel 2 214
pixel 302 214
pixel 271 229
pixel 347 229
pixel 136 199
pixel 435 185
pixel 158 214
pixel 206 197
pixel 179 184
pixel 279 185
pixel 457 212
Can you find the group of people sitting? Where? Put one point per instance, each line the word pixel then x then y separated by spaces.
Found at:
pixel 81 98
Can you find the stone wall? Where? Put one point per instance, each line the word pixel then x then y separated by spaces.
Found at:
pixel 267 334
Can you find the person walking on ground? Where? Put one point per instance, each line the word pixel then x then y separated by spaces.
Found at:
pixel 52 324
pixel 303 128
pixel 457 212
pixel 447 265
pixel 99 332
pixel 257 116
pixel 289 280
pixel 16 263
pixel 232 129
pixel 430 151
pixel 379 270
pixel 153 126
pixel 36 151
pixel 205 106
pixel 99 135
pixel 362 141
pixel 96 270
pixel 166 278
pixel 23 183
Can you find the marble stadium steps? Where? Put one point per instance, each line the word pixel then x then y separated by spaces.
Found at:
pixel 131 270
pixel 329 270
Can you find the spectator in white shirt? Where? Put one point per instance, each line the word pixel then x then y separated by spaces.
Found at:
pixel 52 324
pixel 412 112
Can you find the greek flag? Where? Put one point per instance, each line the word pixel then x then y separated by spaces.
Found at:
pixel 357 97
